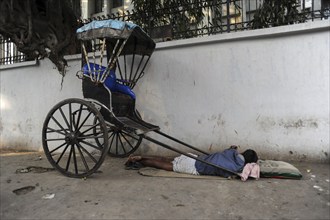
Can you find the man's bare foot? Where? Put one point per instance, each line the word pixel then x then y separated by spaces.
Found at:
pixel 133 158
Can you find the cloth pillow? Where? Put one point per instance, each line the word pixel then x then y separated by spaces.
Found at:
pixel 278 169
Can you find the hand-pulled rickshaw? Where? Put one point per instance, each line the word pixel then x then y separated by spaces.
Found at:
pixel 78 133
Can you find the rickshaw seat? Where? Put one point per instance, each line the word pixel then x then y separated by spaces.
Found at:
pixel 111 81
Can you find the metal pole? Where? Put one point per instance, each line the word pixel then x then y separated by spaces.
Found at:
pixel 228 15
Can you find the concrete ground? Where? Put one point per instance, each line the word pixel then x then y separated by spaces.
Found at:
pixel 116 193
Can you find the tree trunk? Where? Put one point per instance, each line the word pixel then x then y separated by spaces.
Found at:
pixel 41 28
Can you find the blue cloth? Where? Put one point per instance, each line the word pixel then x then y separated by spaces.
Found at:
pixel 228 159
pixel 111 81
pixel 114 24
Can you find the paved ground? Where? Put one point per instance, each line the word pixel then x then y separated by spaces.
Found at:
pixel 116 193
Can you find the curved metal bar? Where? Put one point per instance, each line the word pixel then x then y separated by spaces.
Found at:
pixel 104 106
pixel 87 60
pixel 94 66
pixel 113 60
pixel 100 104
pixel 141 73
pixel 101 58
pixel 136 72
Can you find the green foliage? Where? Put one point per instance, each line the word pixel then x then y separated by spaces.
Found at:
pixel 274 13
pixel 189 17
pixel 183 15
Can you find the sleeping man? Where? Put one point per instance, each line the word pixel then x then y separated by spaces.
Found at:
pixel 229 159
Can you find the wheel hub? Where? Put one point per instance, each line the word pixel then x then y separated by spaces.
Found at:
pixel 71 138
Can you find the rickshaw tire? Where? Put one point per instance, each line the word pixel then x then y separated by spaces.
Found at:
pixel 117 135
pixel 72 134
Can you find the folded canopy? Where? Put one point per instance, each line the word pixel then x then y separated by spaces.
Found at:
pixel 138 41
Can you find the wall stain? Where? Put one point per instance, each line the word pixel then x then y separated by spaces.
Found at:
pixel 212 118
pixel 300 123
pixel 326 154
pixel 267 123
pixel 220 121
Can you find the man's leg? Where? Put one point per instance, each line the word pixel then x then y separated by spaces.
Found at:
pixel 152 161
pixel 157 163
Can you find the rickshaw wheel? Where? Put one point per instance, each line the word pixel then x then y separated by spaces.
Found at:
pixel 75 138
pixel 122 142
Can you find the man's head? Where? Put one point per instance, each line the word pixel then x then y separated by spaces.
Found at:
pixel 250 156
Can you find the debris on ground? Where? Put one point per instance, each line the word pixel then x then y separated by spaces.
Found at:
pixel 24 190
pixel 49 196
pixel 39 158
pixel 34 169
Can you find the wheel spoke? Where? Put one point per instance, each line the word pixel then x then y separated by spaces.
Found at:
pixel 113 137
pixel 129 134
pixel 79 116
pixel 127 141
pixel 59 124
pixel 65 119
pixel 97 132
pixel 91 156
pixel 89 137
pixel 58 160
pixel 74 159
pixel 112 133
pixel 82 157
pixel 91 145
pixel 121 142
pixel 90 128
pixel 69 159
pixel 82 124
pixel 116 143
pixel 70 113
pixel 54 130
pixel 55 139
pixel 74 121
pixel 57 148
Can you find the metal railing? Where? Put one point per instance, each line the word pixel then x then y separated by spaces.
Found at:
pixel 9 53
pixel 179 20
pixel 208 17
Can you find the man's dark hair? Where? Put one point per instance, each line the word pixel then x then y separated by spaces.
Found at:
pixel 250 156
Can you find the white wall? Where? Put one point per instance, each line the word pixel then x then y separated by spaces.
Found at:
pixel 264 89
pixel 27 94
